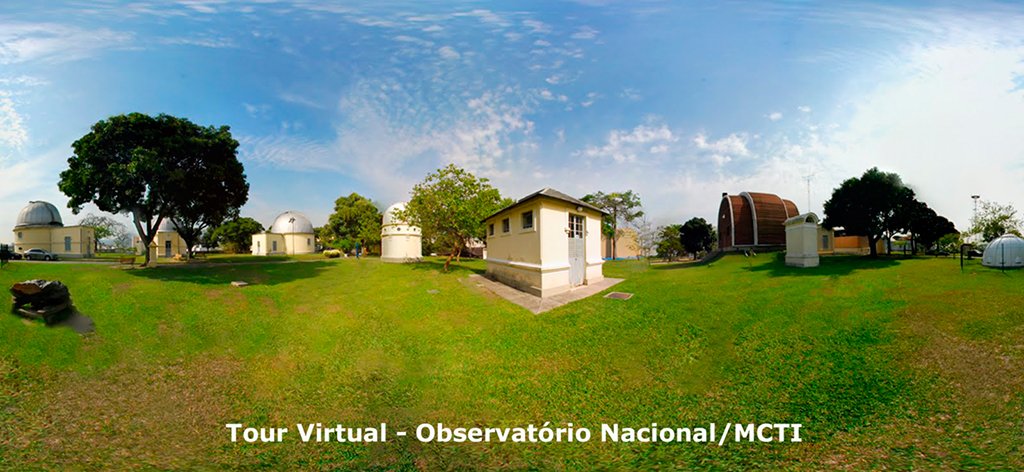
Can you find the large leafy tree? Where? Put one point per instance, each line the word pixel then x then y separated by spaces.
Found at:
pixel 670 244
pixel 235 236
pixel 355 219
pixel 994 220
pixel 450 206
pixel 696 236
pixel 623 209
pixel 209 180
pixel 873 205
pixel 151 168
pixel 926 226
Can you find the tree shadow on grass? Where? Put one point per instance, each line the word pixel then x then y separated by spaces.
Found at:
pixel 829 265
pixel 454 268
pixel 254 274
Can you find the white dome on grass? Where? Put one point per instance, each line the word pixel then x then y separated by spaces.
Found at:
pixel 1004 251
pixel 291 222
pixel 390 217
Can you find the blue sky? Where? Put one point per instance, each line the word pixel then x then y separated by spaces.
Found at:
pixel 677 101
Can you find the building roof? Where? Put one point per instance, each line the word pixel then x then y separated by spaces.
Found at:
pixel 38 213
pixel 291 222
pixel 166 225
pixel 553 194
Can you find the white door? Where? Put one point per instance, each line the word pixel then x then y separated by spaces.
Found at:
pixel 577 249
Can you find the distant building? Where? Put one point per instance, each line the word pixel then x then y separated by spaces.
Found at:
pixel 546 243
pixel 291 233
pixel 626 247
pixel 399 241
pixel 39 226
pixel 168 242
pixel 753 220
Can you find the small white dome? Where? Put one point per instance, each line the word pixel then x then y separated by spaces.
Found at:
pixel 39 214
pixel 1004 251
pixel 291 222
pixel 389 214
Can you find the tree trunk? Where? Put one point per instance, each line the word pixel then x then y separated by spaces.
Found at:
pixel 145 236
pixel 871 246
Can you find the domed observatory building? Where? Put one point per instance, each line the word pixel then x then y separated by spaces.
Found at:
pixel 39 226
pixel 1006 251
pixel 291 233
pixel 168 242
pixel 399 241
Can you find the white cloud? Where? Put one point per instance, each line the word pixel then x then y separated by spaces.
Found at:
pixel 52 42
pixel 591 98
pixel 626 145
pixel 256 111
pixel 804 109
pixel 448 52
pixel 433 29
pixel 200 41
pixel 541 43
pixel 631 94
pixel 13 134
pixel 549 95
pixel 585 32
pixel 732 145
pixel 774 116
pixel 537 26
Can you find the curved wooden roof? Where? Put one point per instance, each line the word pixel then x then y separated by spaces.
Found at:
pixel 753 219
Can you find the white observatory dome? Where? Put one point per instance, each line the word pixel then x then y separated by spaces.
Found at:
pixel 1004 251
pixel 291 222
pixel 38 214
pixel 389 215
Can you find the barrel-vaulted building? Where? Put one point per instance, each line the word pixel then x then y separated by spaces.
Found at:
pixel 753 219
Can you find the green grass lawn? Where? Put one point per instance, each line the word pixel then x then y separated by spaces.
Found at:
pixel 908 364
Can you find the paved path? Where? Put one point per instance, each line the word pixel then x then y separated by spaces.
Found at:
pixel 539 305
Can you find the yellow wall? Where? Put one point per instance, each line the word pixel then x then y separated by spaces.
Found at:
pixel 626 246
pixel 52 239
pixel 178 246
pixel 537 260
pixel 292 243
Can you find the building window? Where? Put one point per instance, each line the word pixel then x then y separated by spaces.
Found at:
pixel 490 229
pixel 309 242
pixel 67 243
pixel 504 225
pixel 273 246
pixel 577 226
pixel 824 241
pixel 20 235
pixel 528 220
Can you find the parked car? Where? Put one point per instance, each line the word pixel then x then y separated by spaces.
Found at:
pixel 39 255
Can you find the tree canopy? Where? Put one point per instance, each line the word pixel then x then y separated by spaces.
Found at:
pixel 107 228
pixel 623 208
pixel 993 220
pixel 450 206
pixel 235 235
pixel 155 168
pixel 696 236
pixel 355 219
pixel 879 204
pixel 869 206
pixel 670 242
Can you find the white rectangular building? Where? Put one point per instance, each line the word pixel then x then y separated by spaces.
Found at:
pixel 546 243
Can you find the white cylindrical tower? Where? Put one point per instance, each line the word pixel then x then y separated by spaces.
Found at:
pixel 399 241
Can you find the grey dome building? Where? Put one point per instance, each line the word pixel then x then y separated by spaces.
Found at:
pixel 39 226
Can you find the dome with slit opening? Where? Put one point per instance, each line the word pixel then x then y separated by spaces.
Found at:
pixel 1005 251
pixel 291 222
pixel 38 214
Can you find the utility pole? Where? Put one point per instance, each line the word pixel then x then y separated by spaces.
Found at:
pixel 974 220
pixel 808 179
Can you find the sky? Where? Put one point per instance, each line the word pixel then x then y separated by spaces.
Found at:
pixel 677 101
